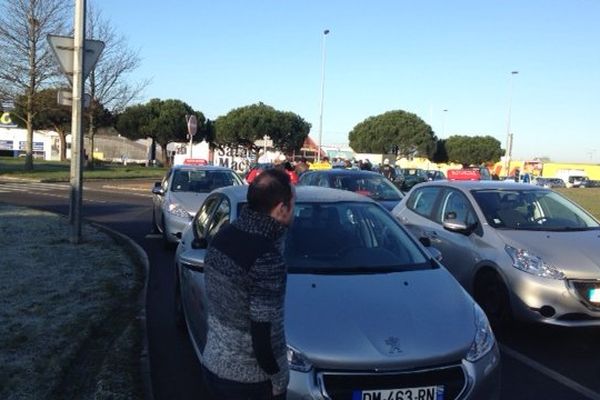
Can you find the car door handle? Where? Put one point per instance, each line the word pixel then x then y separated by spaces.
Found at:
pixel 192 267
pixel 433 236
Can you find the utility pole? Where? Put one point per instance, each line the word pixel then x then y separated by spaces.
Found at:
pixel 77 124
pixel 509 136
pixel 325 33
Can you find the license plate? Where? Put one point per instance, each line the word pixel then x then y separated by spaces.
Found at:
pixel 594 295
pixel 419 393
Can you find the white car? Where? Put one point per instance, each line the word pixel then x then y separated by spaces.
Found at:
pixel 181 192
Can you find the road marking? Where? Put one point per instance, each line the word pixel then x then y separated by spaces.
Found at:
pixel 582 390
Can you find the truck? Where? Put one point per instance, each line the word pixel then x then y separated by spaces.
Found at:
pixel 573 178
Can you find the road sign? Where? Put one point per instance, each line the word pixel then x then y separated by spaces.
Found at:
pixel 192 124
pixel 65 98
pixel 63 48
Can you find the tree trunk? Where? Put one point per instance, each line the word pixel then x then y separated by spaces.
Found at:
pixel 165 154
pixel 62 137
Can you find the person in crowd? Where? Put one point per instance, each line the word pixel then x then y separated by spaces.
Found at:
pixel 387 170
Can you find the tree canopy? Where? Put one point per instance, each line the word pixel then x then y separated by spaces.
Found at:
pixel 245 125
pixel 476 150
pixel 397 132
pixel 162 120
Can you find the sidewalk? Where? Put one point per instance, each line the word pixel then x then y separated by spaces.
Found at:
pixel 70 312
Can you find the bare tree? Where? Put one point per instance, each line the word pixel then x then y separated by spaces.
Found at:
pixel 27 64
pixel 109 82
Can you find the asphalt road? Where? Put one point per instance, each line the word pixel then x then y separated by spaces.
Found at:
pixel 537 361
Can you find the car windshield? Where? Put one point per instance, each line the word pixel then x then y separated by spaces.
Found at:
pixel 414 172
pixel 375 186
pixel 202 181
pixel 540 210
pixel 349 237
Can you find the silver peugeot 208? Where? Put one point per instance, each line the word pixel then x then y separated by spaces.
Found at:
pixel 370 313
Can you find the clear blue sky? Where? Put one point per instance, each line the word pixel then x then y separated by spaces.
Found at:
pixel 422 57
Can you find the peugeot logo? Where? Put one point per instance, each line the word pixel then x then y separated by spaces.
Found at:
pixel 394 344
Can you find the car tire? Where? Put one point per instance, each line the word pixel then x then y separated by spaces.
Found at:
pixel 178 305
pixel 165 236
pixel 492 295
pixel 154 223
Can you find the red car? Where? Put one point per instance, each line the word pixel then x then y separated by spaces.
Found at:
pixel 256 170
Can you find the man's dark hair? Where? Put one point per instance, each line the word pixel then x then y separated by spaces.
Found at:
pixel 269 188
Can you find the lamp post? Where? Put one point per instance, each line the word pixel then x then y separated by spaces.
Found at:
pixel 509 137
pixel 325 33
pixel 444 123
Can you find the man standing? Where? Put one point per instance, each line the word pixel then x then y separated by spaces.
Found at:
pixel 387 170
pixel 245 356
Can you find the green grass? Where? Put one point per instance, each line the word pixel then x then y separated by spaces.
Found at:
pixel 588 198
pixel 57 171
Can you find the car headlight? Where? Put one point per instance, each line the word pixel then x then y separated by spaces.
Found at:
pixel 530 263
pixel 484 339
pixel 178 211
pixel 297 361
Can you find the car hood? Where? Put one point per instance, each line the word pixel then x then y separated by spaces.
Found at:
pixel 576 254
pixel 190 201
pixel 380 321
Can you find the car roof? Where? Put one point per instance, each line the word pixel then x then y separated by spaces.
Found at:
pixel 342 171
pixel 201 168
pixel 303 194
pixel 481 185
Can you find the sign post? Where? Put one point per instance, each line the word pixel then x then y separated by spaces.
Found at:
pixel 192 126
pixel 77 57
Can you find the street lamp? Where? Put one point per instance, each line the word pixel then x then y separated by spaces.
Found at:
pixel 509 136
pixel 444 124
pixel 325 33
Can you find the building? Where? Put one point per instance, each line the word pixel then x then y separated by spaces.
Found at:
pixel 46 144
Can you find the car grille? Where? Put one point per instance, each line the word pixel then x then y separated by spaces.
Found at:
pixel 340 386
pixel 582 289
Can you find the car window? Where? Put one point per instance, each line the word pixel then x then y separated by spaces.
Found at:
pixel 454 205
pixel 165 181
pixel 203 216
pixel 373 185
pixel 322 180
pixel 220 218
pixel 540 210
pixel 349 236
pixel 422 200
pixel 306 178
pixel 202 181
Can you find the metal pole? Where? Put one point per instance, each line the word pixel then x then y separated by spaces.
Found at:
pixel 77 123
pixel 444 124
pixel 325 33
pixel 508 154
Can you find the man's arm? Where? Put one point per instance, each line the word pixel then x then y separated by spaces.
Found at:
pixel 267 296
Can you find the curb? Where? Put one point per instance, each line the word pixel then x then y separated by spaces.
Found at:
pixel 140 257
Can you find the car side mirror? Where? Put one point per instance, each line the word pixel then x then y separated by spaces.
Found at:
pixel 157 189
pixel 454 225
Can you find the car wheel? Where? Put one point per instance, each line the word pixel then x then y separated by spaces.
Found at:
pixel 492 295
pixel 177 304
pixel 167 244
pixel 154 223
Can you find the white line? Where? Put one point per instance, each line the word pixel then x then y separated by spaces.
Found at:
pixel 582 390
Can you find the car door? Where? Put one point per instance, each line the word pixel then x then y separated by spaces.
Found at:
pixel 192 272
pixel 417 215
pixel 460 251
pixel 158 199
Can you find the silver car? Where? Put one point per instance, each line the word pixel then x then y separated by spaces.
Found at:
pixel 521 250
pixel 370 314
pixel 179 195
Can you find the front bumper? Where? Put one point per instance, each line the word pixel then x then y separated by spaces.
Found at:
pixel 174 226
pixel 550 301
pixel 481 380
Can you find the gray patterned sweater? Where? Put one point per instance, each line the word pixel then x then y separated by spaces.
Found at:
pixel 245 279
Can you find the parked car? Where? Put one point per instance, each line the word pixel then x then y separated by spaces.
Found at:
pixel 179 195
pixel 435 175
pixel 370 313
pixel 469 174
pixel 522 251
pixel 258 168
pixel 549 182
pixel 410 177
pixel 367 183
